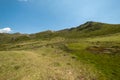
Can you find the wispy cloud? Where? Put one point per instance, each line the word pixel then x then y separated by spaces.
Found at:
pixel 23 0
pixel 5 30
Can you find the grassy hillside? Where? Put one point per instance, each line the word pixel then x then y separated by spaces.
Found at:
pixel 90 29
pixel 41 65
pixel 88 52
pixel 102 51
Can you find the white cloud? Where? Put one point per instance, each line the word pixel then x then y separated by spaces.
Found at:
pixel 5 30
pixel 23 0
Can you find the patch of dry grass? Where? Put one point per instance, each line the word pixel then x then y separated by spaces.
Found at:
pixel 45 63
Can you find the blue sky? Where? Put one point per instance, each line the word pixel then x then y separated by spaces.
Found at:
pixel 31 16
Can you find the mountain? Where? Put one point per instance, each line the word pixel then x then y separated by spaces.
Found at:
pixel 88 29
pixel 90 51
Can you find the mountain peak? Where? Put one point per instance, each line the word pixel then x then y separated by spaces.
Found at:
pixel 89 24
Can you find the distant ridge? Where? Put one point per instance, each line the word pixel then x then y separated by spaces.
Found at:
pixel 88 29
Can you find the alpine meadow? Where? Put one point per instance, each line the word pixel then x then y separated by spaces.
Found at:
pixel 59 39
pixel 88 52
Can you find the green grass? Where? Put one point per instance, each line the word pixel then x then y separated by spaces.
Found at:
pixel 53 65
pixel 107 38
pixel 88 52
pixel 109 64
pixel 52 59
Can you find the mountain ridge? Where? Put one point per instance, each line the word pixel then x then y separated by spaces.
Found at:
pixel 88 29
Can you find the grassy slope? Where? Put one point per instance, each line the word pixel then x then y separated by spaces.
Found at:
pixel 90 29
pixel 46 55
pixel 108 63
pixel 41 65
